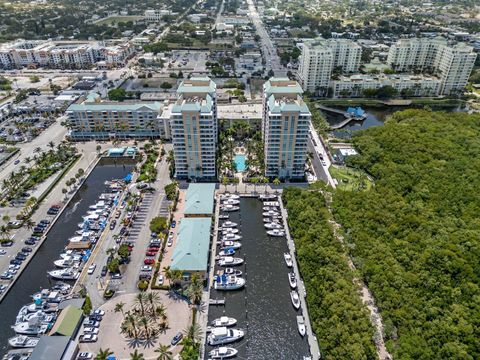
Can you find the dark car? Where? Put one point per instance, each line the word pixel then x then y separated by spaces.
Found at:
pixel 15 262
pixel 38 230
pixel 45 221
pixel 29 242
pixel 27 249
pixel 155 244
pixel 95 317
pixel 41 225
pixel 113 224
pixel 21 256
pixel 104 271
pixel 176 339
pixel 7 243
pixel 116 276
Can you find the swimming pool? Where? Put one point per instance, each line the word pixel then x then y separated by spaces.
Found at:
pixel 240 162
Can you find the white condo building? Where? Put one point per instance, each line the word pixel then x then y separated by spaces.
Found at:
pixel 321 57
pixel 194 129
pixel 285 126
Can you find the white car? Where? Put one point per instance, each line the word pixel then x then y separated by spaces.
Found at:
pixel 3 252
pixel 146 268
pixel 98 312
pixel 170 242
pixel 88 338
pixel 90 330
pixel 85 356
pixel 91 269
pixel 160 279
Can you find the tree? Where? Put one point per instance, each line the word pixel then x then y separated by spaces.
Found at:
pixel 154 300
pixel 140 302
pixel 103 354
pixel 87 306
pixel 195 290
pixel 136 355
pixel 158 224
pixel 166 85
pixel 130 326
pixel 113 266
pixel 117 94
pixel 164 353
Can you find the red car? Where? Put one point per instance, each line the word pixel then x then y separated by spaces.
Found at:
pixel 153 249
pixel 149 261
pixel 151 253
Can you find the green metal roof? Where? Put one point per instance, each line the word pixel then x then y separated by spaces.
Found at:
pixel 193 242
pixel 88 106
pixel 271 88
pixel 199 199
pixel 67 321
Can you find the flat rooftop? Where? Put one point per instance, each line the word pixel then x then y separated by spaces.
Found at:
pixel 199 199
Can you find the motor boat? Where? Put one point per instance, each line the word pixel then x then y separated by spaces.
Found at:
pixel 226 252
pixel 62 288
pixel 274 219
pixel 34 326
pixel 231 245
pixel 223 216
pixel 295 299
pixel 71 254
pixel 268 208
pixel 271 203
pixel 224 335
pixel 230 261
pixel 22 341
pixel 45 318
pixel 292 280
pixel 267 197
pixel 231 237
pixel 229 224
pixel 66 262
pixel 273 226
pixel 228 231
pixel 276 232
pixel 288 260
pixel 64 274
pixel 224 321
pixel 301 325
pixel 230 207
pixel 231 202
pixel 223 352
pixel 230 282
pixel 99 205
pixel 229 196
pixel 232 271
pixel 271 213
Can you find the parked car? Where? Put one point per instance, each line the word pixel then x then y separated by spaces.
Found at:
pixel 3 252
pixel 170 242
pixel 113 224
pixel 104 271
pixel 26 249
pixel 144 276
pixel 176 339
pixel 90 330
pixel 85 356
pixel 146 268
pixel 116 276
pixel 7 243
pixel 160 279
pixel 6 276
pixel 98 312
pixel 91 269
pixel 20 256
pixel 15 262
pixel 155 244
pixel 88 338
pixel 153 249
pixel 150 253
pixel 29 242
pixel 2 288
pixel 149 261
pixel 16 162
pixel 91 323
pixel 117 214
pixel 38 230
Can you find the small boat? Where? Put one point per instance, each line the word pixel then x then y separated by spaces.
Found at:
pixel 229 196
pixel 231 245
pixel 267 197
pixel 66 263
pixel 301 325
pixel 288 260
pixel 292 280
pixel 274 219
pixel 32 327
pixel 223 216
pixel 71 254
pixel 271 203
pixel 22 341
pixel 62 288
pixel 231 202
pixel 64 274
pixel 228 231
pixel 223 335
pixel 231 237
pixel 226 252
pixel 295 299
pixel 224 321
pixel 45 318
pixel 271 213
pixel 229 207
pixel 270 208
pixel 232 271
pixel 223 352
pixel 229 224
pixel 230 261
pixel 276 232
pixel 273 226
pixel 230 282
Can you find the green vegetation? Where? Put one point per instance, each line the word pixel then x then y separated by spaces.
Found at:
pixel 156 47
pixel 414 237
pixel 148 172
pixel 117 94
pixel 5 84
pixel 350 178
pixel 87 306
pixel 338 316
pixel 318 121
pixel 171 191
pixel 158 224
pixel 34 79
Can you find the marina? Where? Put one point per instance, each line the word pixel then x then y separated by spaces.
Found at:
pixel 262 307
pixel 35 276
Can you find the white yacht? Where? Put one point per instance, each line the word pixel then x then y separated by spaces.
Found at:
pixel 230 282
pixel 223 216
pixel 226 231
pixel 270 208
pixel 66 262
pixel 301 325
pixel 229 196
pixel 292 281
pixel 229 224
pixel 271 213
pixel 288 260
pixel 224 321
pixel 232 271
pixel 295 299
pixel 271 203
pixel 276 232
pixel 64 274
pixel 272 226
pixel 229 207
pixel 267 197
pixel 26 317
pixel 230 261
pixel 99 205
pixel 22 341
pixel 223 352
pixel 230 244
pixel 31 327
pixel 231 202
pixel 71 254
pixel 274 219
pixel 223 335
pixel 231 237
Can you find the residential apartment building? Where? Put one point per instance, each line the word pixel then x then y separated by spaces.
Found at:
pixel 285 124
pixel 451 63
pixel 46 53
pixel 194 129
pixel 93 119
pixel 410 85
pixel 156 15
pixel 320 58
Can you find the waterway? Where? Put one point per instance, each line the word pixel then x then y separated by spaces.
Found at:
pixel 34 277
pixel 263 309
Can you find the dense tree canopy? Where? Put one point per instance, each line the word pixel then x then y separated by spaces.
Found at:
pixel 337 314
pixel 415 235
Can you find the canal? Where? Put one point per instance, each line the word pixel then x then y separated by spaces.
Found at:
pixel 263 308
pixel 34 277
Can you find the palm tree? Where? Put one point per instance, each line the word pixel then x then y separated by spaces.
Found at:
pixel 129 325
pixel 29 224
pixel 145 322
pixel 136 355
pixel 164 353
pixel 139 300
pixel 4 232
pixel 51 144
pixel 103 354
pixel 119 308
pixel 154 300
pixel 161 311
pixel 195 290
pixel 193 332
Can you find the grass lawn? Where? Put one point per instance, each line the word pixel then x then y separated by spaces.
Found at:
pixel 117 19
pixel 350 179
